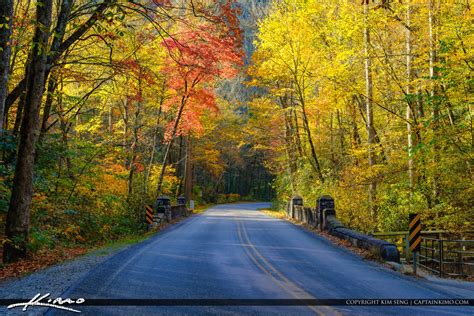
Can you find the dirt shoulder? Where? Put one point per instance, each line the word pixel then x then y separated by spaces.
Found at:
pixel 62 255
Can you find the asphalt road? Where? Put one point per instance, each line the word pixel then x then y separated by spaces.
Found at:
pixel 237 252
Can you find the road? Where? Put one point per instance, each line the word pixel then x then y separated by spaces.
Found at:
pixel 237 252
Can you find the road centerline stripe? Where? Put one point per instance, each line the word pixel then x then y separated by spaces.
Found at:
pixel 282 281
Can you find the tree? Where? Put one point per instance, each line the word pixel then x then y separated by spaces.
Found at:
pixel 288 65
pixel 409 100
pixel 60 47
pixel 6 18
pixel 397 69
pixel 369 109
pixel 18 217
pixel 197 59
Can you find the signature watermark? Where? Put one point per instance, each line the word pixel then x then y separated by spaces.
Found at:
pixel 45 301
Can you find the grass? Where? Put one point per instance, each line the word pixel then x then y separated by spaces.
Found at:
pixel 48 257
pixel 201 208
pixel 274 213
pixel 108 247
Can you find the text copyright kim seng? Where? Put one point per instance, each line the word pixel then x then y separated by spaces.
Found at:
pixel 409 302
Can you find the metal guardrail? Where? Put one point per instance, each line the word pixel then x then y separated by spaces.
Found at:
pixel 400 238
pixel 403 233
pixel 453 258
pixel 441 256
pixel 442 252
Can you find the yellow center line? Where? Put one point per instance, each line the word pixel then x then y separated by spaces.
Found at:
pixel 288 286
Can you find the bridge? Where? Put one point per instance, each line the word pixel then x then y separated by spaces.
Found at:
pixel 236 259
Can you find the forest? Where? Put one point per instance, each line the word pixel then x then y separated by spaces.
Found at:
pixel 371 103
pixel 106 105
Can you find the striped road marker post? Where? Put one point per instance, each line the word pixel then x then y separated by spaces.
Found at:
pixel 414 236
pixel 149 214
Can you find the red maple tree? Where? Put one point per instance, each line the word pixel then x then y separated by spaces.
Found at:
pixel 200 54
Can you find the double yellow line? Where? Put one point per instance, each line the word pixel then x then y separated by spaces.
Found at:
pixel 266 267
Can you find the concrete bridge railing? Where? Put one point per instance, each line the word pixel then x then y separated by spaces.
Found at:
pixel 323 217
pixel 163 211
pixel 179 211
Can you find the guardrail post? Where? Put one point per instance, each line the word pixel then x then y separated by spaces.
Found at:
pixel 295 202
pixel 324 202
pixel 181 200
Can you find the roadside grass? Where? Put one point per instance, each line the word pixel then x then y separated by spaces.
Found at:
pixel 201 208
pixel 274 212
pixel 49 257
pixel 111 246
pixel 136 238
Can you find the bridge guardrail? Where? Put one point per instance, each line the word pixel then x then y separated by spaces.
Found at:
pixel 178 211
pixel 440 253
pixel 400 238
pixel 324 218
pixel 162 211
pixel 454 258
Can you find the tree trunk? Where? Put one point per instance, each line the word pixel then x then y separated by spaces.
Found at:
pixel 341 133
pixel 126 121
pixel 315 165
pixel 153 150
pixel 110 125
pixel 64 46
pixel 135 140
pixel 409 101
pixel 6 16
pixel 18 217
pixel 370 115
pixel 65 126
pixel 362 105
pixel 331 136
pixel 19 113
pixel 155 135
pixel 188 177
pixel 356 141
pixel 59 31
pixel 291 152
pixel 290 141
pixel 168 146
pixel 52 85
pixel 296 132
pixel 434 102
pixel 180 167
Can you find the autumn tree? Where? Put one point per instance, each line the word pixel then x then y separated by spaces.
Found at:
pixel 377 66
pixel 6 18
pixel 198 57
pixel 19 210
